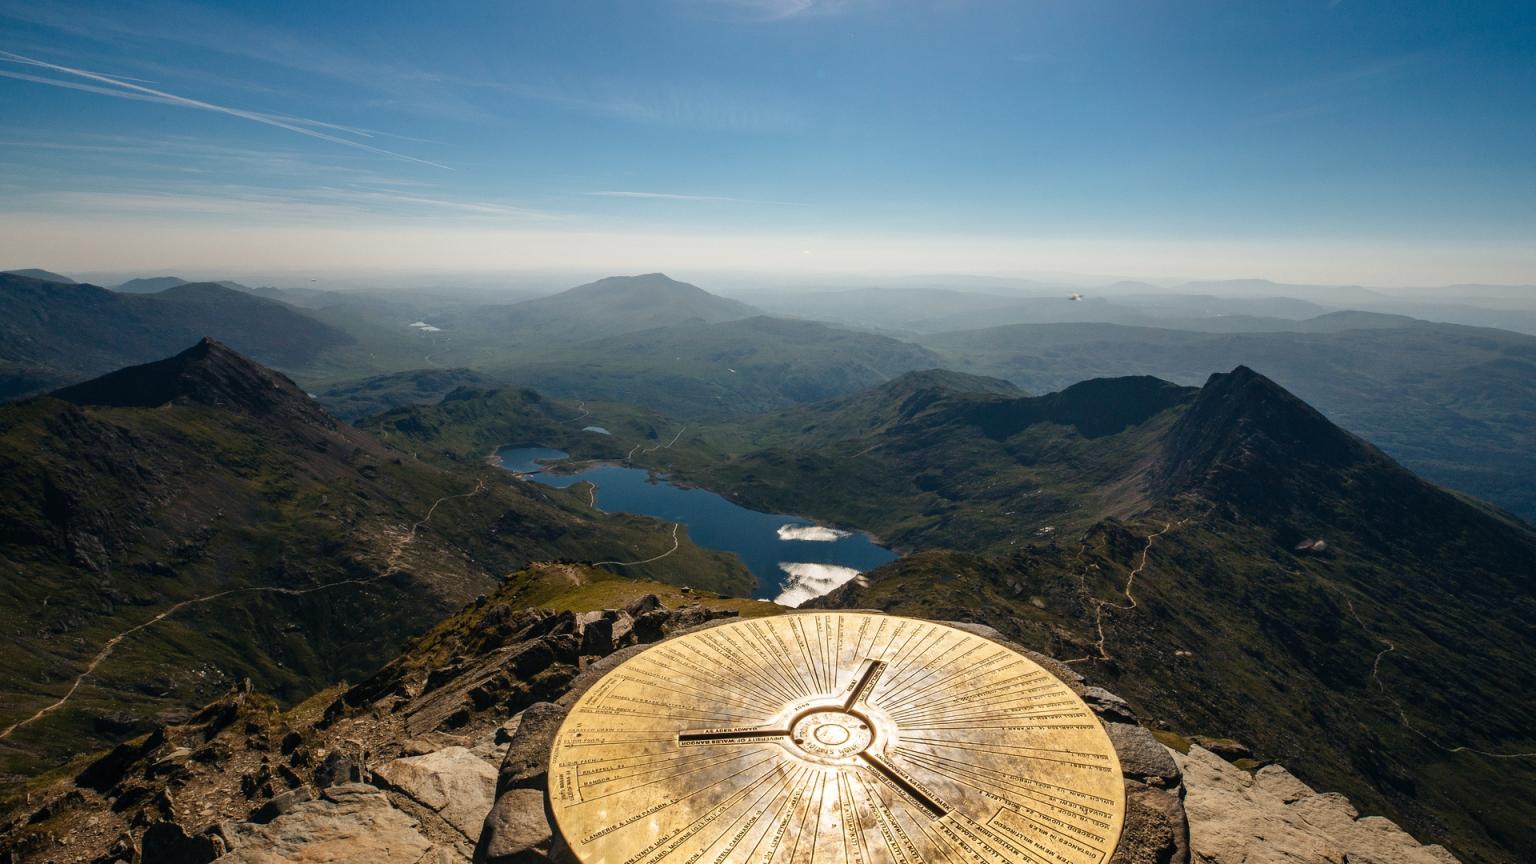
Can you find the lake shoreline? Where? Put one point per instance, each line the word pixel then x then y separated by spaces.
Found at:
pixel 789 569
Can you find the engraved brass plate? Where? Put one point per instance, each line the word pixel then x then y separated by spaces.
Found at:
pixel 834 737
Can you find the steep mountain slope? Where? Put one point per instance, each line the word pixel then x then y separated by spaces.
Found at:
pixel 1455 404
pixel 175 527
pixel 52 333
pixel 1287 584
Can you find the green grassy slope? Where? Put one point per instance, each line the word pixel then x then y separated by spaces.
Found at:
pixel 211 474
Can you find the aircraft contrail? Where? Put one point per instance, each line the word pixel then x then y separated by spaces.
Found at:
pixel 138 91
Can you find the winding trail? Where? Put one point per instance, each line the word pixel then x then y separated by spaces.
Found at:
pixel 391 567
pixel 1130 582
pixel 675 544
pixel 1402 715
pixel 667 446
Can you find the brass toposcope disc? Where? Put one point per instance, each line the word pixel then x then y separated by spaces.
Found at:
pixel 834 737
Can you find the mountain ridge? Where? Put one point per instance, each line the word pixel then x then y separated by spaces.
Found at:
pixel 284 547
pixel 53 334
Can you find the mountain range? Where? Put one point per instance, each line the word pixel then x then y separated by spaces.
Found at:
pixel 1457 404
pixel 55 333
pixel 1454 403
pixel 1223 555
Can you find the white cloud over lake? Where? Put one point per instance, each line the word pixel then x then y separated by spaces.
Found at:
pixel 808 581
pixel 817 533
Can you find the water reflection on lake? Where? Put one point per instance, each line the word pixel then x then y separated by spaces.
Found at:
pixel 793 559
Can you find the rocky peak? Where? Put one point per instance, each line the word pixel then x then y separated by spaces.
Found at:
pixel 209 373
pixel 1242 425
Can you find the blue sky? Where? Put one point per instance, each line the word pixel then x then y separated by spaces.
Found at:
pixel 1388 142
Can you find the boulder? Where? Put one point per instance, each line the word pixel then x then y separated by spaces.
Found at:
pixel 526 763
pixel 1271 817
pixel 168 843
pixel 517 830
pixel 1141 757
pixel 281 803
pixel 349 824
pixel 453 782
pixel 1156 831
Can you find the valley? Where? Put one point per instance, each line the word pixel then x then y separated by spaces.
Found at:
pixel 793 559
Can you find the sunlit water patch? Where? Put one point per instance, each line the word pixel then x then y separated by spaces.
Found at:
pixel 811 533
pixel 807 581
pixel 793 558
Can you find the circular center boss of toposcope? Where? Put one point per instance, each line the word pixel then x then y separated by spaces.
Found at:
pixel 834 737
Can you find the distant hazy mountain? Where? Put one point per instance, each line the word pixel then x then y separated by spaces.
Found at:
pixel 42 275
pixel 696 369
pixel 619 304
pixel 52 333
pixel 889 308
pixel 1334 295
pixel 149 284
pixel 929 310
pixel 1456 404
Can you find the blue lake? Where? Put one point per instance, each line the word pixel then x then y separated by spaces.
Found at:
pixel 794 559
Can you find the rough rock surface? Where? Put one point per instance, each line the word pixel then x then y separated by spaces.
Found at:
pixel 350 824
pixel 403 767
pixel 458 785
pixel 1270 817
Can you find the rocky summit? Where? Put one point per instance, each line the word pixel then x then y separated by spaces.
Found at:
pixel 442 756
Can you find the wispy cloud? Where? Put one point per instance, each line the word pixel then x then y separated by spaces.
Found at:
pixel 692 105
pixel 117 157
pixel 124 89
pixel 168 28
pixel 678 196
pixel 1331 92
pixel 307 204
pixel 778 10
